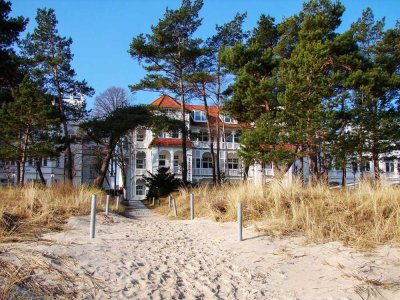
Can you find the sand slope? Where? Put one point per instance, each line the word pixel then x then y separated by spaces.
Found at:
pixel 150 257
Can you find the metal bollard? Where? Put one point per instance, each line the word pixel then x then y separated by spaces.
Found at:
pixel 93 217
pixel 174 207
pixel 239 221
pixel 107 204
pixel 191 206
pixel 117 206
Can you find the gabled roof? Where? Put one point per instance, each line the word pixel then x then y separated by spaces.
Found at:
pixel 169 142
pixel 166 101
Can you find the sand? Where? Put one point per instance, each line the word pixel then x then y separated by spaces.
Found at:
pixel 148 256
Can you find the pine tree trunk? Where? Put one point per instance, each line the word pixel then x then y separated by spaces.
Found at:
pixel 360 162
pixel 39 170
pixel 184 134
pixel 210 136
pixel 301 168
pixel 98 181
pixel 344 176
pixel 24 156
pixel 310 170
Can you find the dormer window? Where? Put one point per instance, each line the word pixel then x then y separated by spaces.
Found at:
pixel 199 116
pixel 227 119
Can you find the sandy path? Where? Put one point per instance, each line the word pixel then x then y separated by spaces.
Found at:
pixel 150 257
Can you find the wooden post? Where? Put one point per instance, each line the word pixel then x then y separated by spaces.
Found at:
pixel 153 201
pixel 239 221
pixel 107 204
pixel 174 207
pixel 191 206
pixel 169 201
pixel 117 203
pixel 93 217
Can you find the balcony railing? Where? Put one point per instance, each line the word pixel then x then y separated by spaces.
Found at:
pixel 140 172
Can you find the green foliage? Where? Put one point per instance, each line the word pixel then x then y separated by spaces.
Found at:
pixel 10 29
pixel 162 183
pixel 30 125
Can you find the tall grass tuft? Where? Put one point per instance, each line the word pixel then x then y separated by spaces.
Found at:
pixel 27 211
pixel 364 217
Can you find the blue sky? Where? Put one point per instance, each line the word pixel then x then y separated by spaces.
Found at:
pixel 103 29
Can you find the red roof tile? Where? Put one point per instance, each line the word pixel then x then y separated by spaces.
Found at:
pixel 166 142
pixel 166 102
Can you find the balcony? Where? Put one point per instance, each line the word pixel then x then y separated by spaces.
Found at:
pixel 208 172
pixel 223 145
pixel 140 172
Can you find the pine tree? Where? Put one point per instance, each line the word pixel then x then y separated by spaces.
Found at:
pixel 50 54
pixel 376 86
pixel 169 54
pixel 29 126
pixel 10 29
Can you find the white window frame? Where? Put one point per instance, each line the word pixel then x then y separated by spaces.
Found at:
pixel 162 158
pixel 141 163
pixel 139 190
pixel 206 163
pixel 227 119
pixel 140 136
pixel 233 163
pixel 203 136
pixel 199 116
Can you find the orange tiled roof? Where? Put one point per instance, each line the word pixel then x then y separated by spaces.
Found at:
pixel 168 142
pixel 166 102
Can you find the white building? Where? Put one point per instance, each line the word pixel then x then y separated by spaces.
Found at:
pixel 148 152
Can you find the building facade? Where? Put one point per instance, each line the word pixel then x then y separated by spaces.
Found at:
pixel 148 152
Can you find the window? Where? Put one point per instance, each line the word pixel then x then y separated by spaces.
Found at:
pixel 198 163
pixel 30 162
pixel 57 162
pixel 140 136
pixel 199 116
pixel 389 166
pixel 233 163
pixel 366 167
pixel 162 160
pixel 233 138
pixel 174 134
pixel 176 160
pixel 207 163
pixel 162 135
pixel 228 119
pixel 44 162
pixel 140 163
pixel 203 137
pixel 139 190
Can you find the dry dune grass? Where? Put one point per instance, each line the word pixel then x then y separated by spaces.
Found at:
pixel 28 211
pixel 25 213
pixel 362 218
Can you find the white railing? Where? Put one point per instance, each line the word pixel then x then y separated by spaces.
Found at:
pixel 177 171
pixel 202 172
pixel 230 146
pixel 140 172
pixel 233 172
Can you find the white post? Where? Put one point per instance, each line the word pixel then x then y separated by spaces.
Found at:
pixel 239 221
pixel 174 206
pixel 169 201
pixel 191 206
pixel 93 217
pixel 107 204
pixel 117 203
pixel 153 201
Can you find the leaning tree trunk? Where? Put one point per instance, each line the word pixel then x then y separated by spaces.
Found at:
pixel 39 170
pixel 98 182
